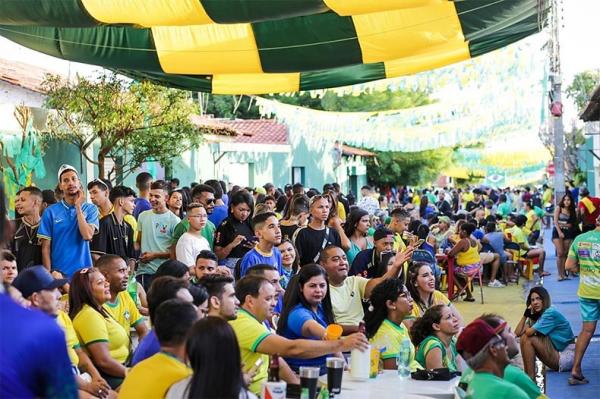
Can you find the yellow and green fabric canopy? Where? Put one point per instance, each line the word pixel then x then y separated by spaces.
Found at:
pixel 267 46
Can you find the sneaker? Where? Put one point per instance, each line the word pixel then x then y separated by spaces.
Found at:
pixel 496 284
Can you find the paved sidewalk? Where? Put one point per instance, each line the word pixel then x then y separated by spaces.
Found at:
pixel 564 298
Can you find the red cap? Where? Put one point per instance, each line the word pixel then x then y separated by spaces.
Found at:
pixel 475 336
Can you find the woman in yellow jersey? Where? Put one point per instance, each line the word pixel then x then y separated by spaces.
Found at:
pixel 104 338
pixel 435 336
pixel 390 305
pixel 468 262
pixel 421 285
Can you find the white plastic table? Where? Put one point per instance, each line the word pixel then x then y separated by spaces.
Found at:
pixel 389 386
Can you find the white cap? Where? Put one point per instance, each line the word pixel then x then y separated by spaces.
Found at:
pixel 65 167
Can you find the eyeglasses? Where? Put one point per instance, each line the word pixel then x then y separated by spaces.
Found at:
pixel 84 270
pixel 210 201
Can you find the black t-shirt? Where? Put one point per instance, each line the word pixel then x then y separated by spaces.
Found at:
pixel 231 228
pixel 471 205
pixel 113 238
pixel 288 231
pixel 309 243
pixel 25 245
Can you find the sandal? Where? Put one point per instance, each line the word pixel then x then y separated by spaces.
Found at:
pixel 469 299
pixel 577 380
pixel 545 274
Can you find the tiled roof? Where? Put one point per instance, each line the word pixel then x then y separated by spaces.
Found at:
pixel 23 75
pixel 347 150
pixel 258 131
pixel 213 125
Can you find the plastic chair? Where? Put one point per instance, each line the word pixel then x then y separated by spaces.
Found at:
pixel 469 283
pixel 526 266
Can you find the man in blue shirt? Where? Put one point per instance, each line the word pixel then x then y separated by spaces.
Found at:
pixel 142 202
pixel 68 226
pixel 266 228
pixel 219 212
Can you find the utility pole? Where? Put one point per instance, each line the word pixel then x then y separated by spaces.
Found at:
pixel 556 104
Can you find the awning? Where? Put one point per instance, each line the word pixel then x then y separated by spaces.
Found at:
pixel 267 46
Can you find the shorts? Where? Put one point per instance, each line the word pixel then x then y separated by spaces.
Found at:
pixel 566 358
pixel 467 270
pixel 590 309
pixel 570 234
pixel 486 257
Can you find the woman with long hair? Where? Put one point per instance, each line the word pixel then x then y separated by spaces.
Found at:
pixel 434 335
pixel 307 312
pixel 214 355
pixel 334 221
pixel 544 334
pixel 104 338
pixel 564 232
pixel 175 203
pixel 235 236
pixel 390 305
pixel 356 229
pixel 296 215
pixel 421 285
pixel 289 261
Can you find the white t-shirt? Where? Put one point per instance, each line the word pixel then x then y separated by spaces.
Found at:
pixel 189 246
pixel 346 300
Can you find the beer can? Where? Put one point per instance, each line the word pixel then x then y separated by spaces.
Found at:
pixel 273 390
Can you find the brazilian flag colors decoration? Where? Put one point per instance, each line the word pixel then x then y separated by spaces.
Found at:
pixel 268 46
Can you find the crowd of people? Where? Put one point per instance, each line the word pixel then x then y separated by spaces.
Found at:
pixel 187 292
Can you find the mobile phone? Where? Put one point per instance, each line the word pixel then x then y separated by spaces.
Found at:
pixel 419 243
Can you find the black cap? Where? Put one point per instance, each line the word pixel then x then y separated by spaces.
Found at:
pixel 36 278
pixel 382 232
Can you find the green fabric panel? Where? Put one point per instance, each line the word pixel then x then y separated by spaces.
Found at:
pixel 481 18
pixel 232 11
pixel 45 13
pixel 201 83
pixel 341 46
pixel 342 76
pixel 110 47
pixel 516 21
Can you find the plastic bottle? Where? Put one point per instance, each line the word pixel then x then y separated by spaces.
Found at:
pixel 360 362
pixel 403 360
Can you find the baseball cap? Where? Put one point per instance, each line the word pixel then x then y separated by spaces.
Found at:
pixel 475 336
pixel 64 168
pixel 260 190
pixel 584 191
pixel 36 278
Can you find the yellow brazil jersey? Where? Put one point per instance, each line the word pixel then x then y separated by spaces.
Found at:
pixel 152 378
pixel 91 327
pixel 438 299
pixel 390 335
pixel 346 300
pixel 586 251
pixel 250 333
pixel 124 311
pixel 66 324
pixel 341 211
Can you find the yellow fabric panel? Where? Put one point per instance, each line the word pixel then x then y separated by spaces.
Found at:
pixel 148 12
pixel 256 84
pixel 436 57
pixel 412 31
pixel 355 7
pixel 206 49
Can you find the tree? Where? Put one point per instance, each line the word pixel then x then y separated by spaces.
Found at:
pixel 131 121
pixel 407 168
pixel 580 90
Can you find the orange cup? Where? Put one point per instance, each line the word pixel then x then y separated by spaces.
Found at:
pixel 333 332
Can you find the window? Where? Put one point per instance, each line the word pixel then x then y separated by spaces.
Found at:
pixel 298 174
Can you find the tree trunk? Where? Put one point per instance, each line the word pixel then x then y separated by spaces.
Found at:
pixel 101 165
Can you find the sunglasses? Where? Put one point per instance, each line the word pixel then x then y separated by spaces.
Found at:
pixel 315 198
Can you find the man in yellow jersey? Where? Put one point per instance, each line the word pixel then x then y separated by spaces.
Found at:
pixel 39 287
pixel 151 378
pixel 121 306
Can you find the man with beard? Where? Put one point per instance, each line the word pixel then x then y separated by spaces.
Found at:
pixel 222 301
pixel 68 227
pixel 121 307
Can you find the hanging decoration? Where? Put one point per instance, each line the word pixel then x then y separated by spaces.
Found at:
pixel 267 46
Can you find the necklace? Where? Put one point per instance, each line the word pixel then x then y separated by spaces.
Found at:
pixel 30 230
